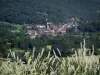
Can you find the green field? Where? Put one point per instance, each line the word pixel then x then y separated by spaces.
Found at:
pixel 18 26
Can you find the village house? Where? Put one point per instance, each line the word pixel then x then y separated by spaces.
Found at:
pixel 29 27
pixel 49 29
pixel 40 26
pixel 32 32
pixel 62 28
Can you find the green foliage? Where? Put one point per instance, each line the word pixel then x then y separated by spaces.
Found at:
pixel 89 26
pixel 27 11
pixel 20 40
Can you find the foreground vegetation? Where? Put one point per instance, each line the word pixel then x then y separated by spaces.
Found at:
pixel 77 64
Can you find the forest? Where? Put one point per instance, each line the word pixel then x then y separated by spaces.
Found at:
pixel 57 11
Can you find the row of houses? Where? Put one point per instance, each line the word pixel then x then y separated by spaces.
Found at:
pixel 49 29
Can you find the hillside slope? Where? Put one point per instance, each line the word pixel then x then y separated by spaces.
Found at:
pixel 31 11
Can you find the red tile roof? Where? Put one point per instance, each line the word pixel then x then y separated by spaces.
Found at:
pixel 54 27
pixel 32 32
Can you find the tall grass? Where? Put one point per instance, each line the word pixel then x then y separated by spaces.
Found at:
pixel 77 64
